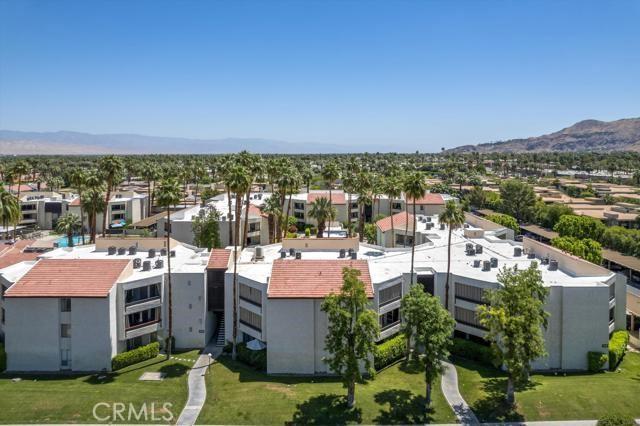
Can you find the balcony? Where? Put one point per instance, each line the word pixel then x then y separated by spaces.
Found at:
pixel 142 329
pixel 142 304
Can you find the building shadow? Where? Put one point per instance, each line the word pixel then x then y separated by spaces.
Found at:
pixel 325 409
pixel 404 408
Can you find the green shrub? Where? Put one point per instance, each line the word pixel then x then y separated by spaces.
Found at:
pixel 615 420
pixel 256 359
pixel 135 356
pixel 389 351
pixel 473 351
pixel 617 347
pixel 596 361
pixel 307 232
pixel 505 220
pixel 3 358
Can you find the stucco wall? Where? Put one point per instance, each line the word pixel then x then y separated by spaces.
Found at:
pixel 189 309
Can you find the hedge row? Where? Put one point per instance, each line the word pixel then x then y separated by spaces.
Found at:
pixel 255 359
pixel 473 351
pixel 596 361
pixel 135 356
pixel 617 347
pixel 3 358
pixel 389 351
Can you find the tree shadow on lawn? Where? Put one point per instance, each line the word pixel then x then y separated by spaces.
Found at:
pixel 325 409
pixel 174 370
pixel 493 407
pixel 412 366
pixel 404 408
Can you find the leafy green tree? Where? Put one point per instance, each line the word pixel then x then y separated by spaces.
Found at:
pixel 505 220
pixel 453 217
pixel 580 227
pixel 518 200
pixel 515 319
pixel 434 336
pixel 586 248
pixel 168 195
pixel 352 331
pixel 371 233
pixel 412 309
pixel 206 229
pixel 548 215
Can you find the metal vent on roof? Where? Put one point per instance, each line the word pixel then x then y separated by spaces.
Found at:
pixel 343 253
pixel 163 251
pixel 152 252
pixel 476 263
pixel 172 253
pixel 428 218
pixel 486 265
pixel 137 262
pixel 478 248
pixel 283 254
pixel 292 252
pixel 298 255
pixel 146 265
pixel 111 250
pixel 442 226
pixel 259 253
pixel 354 255
pixel 494 262
pixel 517 251
pixel 553 265
pixel 121 251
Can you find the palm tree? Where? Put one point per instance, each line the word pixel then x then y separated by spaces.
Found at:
pixel 67 225
pixel 9 209
pixel 92 202
pixel 17 171
pixel 111 168
pixel 169 194
pixel 393 190
pixel 414 187
pixel 287 184
pixel 150 173
pixel 78 179
pixel 239 181
pixel 363 186
pixel 322 211
pixel 273 209
pixel 253 164
pixel 453 217
pixel 330 173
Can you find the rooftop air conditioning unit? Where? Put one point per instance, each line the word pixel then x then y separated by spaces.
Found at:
pixel 172 253
pixel 343 253
pixel 146 265
pixel 163 251
pixel 152 252
pixel 121 251
pixel 259 253
pixel 486 265
pixel 292 252
pixel 283 254
pixel 133 250
pixel 476 263
pixel 553 265
pixel 494 262
pixel 545 261
pixel 428 219
pixel 137 262
pixel 441 226
pixel 111 250
pixel 159 264
pixel 354 255
pixel 531 255
pixel 298 255
pixel 517 251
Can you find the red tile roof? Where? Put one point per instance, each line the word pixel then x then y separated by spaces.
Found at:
pixel 433 199
pixel 69 278
pixel 10 255
pixel 337 197
pixel 312 279
pixel 219 259
pixel 399 222
pixel 14 188
pixel 254 211
pixel 75 202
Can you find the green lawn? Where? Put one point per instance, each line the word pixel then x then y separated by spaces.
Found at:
pixel 551 397
pixel 70 399
pixel 237 394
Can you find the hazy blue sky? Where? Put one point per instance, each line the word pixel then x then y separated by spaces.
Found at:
pixel 412 74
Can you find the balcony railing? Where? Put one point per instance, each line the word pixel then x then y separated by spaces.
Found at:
pixel 138 301
pixel 388 326
pixel 144 324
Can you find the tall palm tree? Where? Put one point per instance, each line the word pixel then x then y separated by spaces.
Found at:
pixel 393 190
pixel 169 195
pixel 453 217
pixel 150 173
pixel 322 211
pixel 414 187
pixel 348 185
pixel 9 210
pixel 92 202
pixel 111 168
pixel 18 170
pixel 239 182
pixel 330 173
pixel 287 184
pixel 273 209
pixel 67 225
pixel 363 186
pixel 78 179
pixel 253 164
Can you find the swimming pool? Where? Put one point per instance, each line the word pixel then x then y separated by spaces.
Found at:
pixel 77 240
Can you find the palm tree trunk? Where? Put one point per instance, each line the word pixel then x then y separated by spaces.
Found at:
pixel 245 231
pixel 235 279
pixel 330 206
pixel 361 223
pixel 230 241
pixel 349 214
pixel 149 198
pixel 286 223
pixel 170 319
pixel 413 241
pixel 393 231
pixel 406 224
pixel 81 217
pixel 15 225
pixel 446 286
pixel 106 208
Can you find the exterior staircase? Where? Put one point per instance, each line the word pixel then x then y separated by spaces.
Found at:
pixel 219 338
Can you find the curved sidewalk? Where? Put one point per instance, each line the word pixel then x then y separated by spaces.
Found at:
pixel 197 386
pixel 449 385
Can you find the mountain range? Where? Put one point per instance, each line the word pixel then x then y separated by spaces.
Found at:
pixel 587 135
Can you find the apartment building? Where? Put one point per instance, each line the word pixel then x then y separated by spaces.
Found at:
pixel 73 309
pixel 124 208
pixel 258 232
pixel 42 209
pixel 282 286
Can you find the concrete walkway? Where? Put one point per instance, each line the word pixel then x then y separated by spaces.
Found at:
pixel 197 385
pixel 449 384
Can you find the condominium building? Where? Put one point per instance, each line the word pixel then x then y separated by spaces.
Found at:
pixel 124 208
pixel 42 209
